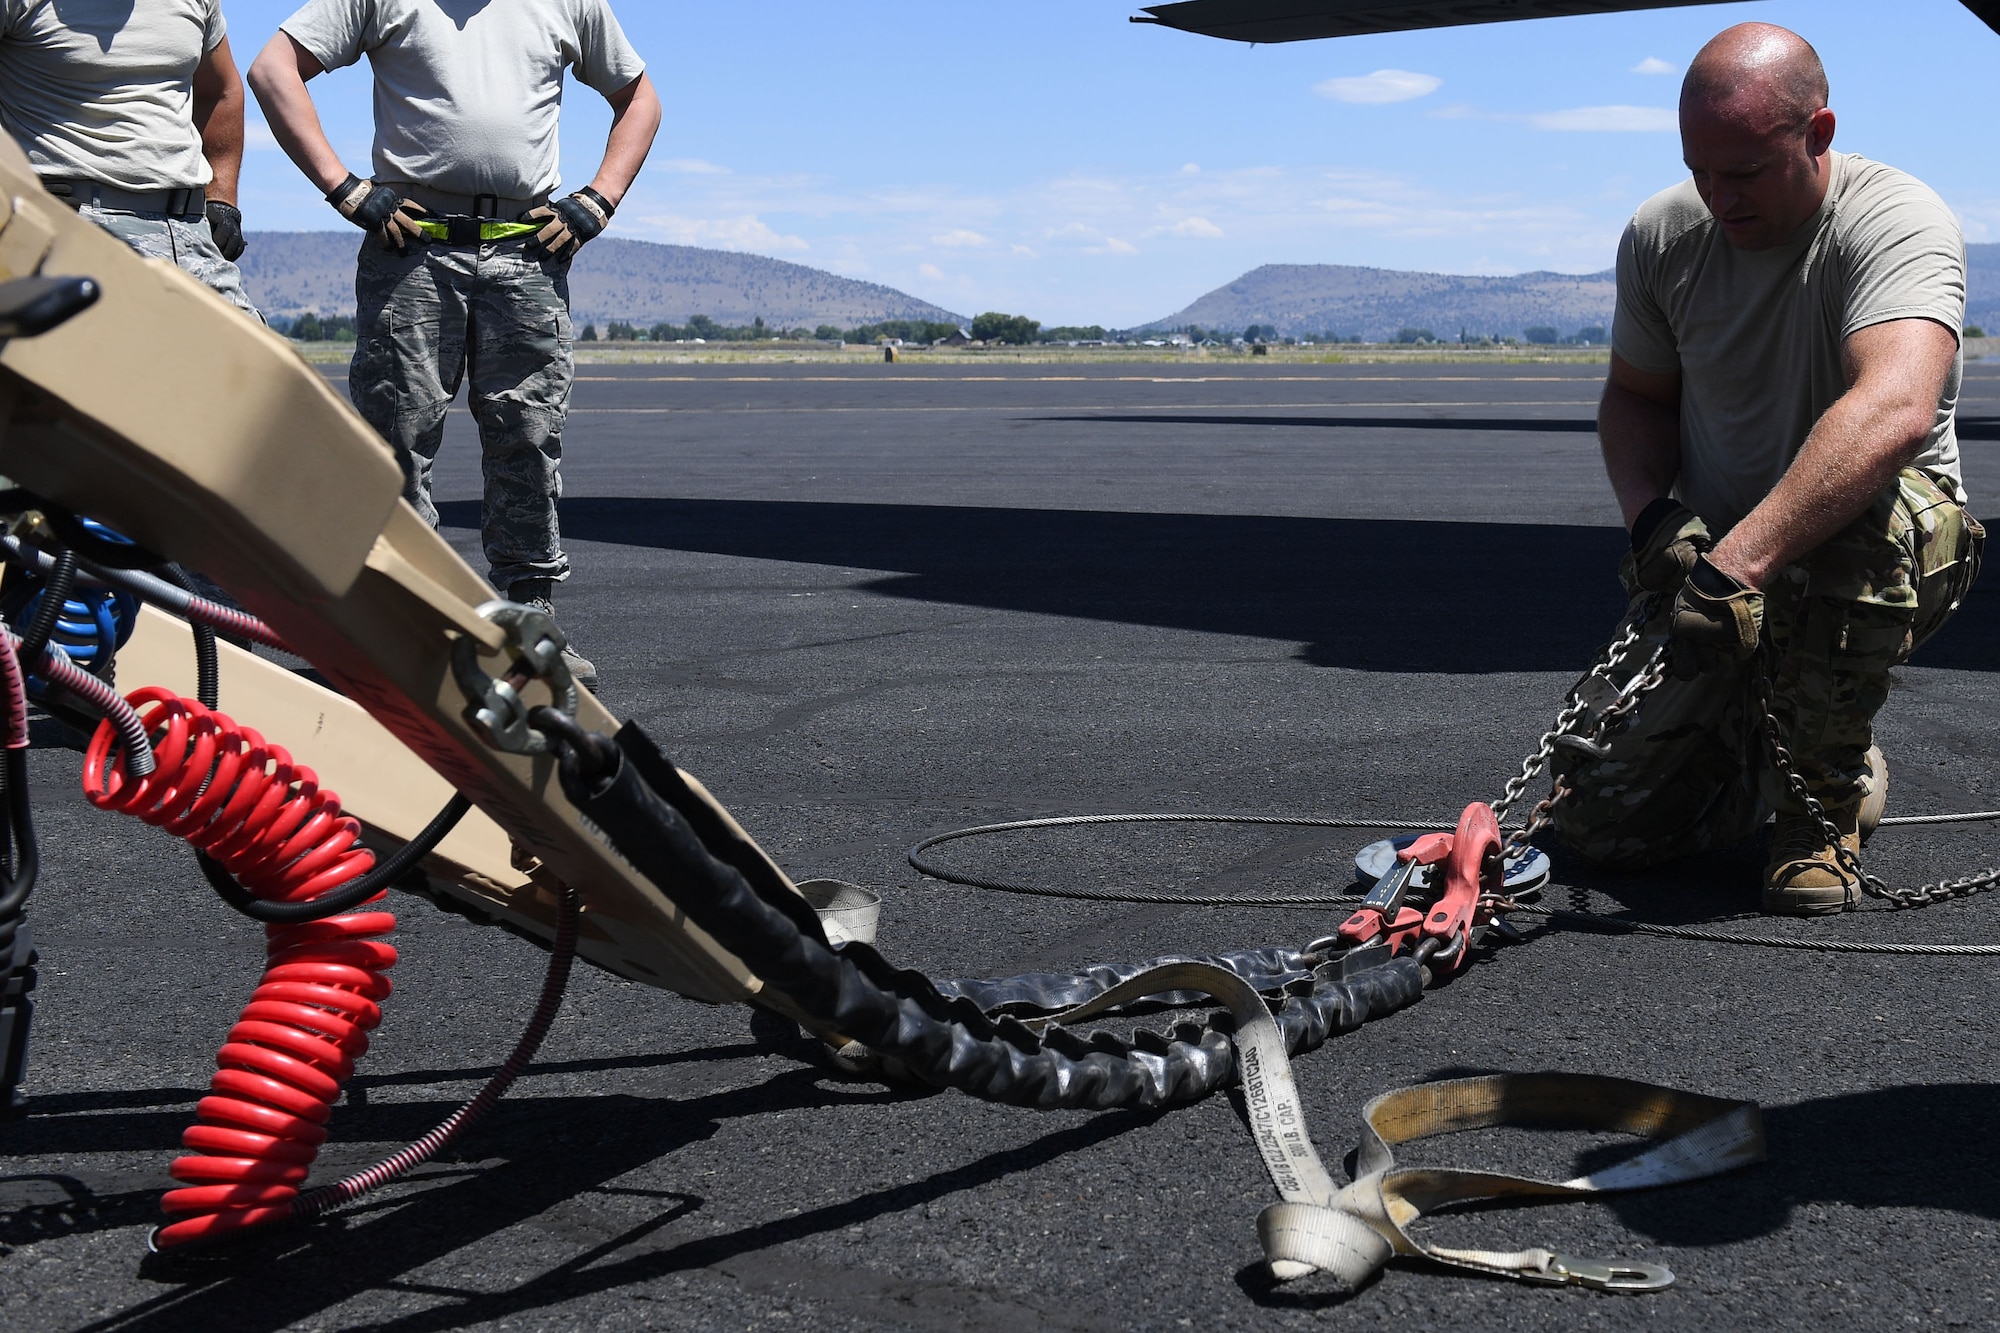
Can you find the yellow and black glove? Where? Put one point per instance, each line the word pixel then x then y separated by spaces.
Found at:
pixel 380 211
pixel 1667 539
pixel 567 223
pixel 1716 622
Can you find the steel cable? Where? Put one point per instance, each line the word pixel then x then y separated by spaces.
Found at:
pixel 1556 916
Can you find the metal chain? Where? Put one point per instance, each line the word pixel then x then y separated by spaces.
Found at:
pixel 1847 857
pixel 1643 682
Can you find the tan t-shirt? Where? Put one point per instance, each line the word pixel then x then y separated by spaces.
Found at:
pixel 468 95
pixel 103 90
pixel 1755 334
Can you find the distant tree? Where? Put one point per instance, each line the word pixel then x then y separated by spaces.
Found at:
pixel 1591 334
pixel 757 332
pixel 665 333
pixel 1015 330
pixel 1974 331
pixel 1259 333
pixel 589 334
pixel 1541 335
pixel 826 333
pixel 619 331
pixel 1074 333
pixel 701 326
pixel 1407 334
pixel 311 328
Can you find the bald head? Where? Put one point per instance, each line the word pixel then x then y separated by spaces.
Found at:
pixel 1755 132
pixel 1758 74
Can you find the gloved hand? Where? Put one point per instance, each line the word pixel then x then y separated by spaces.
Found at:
pixel 1667 539
pixel 1716 618
pixel 225 224
pixel 380 210
pixel 569 222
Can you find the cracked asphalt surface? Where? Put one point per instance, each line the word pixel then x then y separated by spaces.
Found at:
pixel 869 604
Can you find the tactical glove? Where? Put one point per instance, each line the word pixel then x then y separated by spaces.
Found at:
pixel 379 210
pixel 1716 620
pixel 225 224
pixel 1667 539
pixel 569 222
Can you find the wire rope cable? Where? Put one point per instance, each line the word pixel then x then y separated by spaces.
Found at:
pixel 929 866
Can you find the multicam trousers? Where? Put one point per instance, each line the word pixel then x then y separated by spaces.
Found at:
pixel 1690 771
pixel 183 241
pixel 423 318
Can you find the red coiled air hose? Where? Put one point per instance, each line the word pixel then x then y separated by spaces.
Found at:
pixel 242 800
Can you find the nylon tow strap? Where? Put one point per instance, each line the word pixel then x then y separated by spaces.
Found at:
pixel 1352 1232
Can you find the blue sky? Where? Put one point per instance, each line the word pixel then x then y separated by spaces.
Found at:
pixel 1047 157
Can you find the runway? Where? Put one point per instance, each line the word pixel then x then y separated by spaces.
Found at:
pixel 867 605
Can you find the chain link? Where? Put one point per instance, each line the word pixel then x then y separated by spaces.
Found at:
pixel 1643 682
pixel 1847 857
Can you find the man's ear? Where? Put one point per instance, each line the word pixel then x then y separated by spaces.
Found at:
pixel 1819 131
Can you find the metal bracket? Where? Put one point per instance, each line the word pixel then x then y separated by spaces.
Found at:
pixel 495 707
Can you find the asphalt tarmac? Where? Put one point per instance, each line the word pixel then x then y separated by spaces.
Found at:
pixel 865 605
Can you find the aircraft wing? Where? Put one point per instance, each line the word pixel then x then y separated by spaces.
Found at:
pixel 1299 20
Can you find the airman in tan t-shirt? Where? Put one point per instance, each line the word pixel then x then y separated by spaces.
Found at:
pixel 1778 428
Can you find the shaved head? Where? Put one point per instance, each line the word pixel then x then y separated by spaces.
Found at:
pixel 1755 132
pixel 1758 73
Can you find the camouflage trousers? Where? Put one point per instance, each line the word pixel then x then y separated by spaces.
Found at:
pixel 423 320
pixel 1690 769
pixel 182 241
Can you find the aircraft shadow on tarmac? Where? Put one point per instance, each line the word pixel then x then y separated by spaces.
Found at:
pixel 1367 594
pixel 556 1158
pixel 1969 428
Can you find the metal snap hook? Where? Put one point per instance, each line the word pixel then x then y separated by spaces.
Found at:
pixel 1610 1274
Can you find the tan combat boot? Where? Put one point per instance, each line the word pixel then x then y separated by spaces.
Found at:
pixel 1878 792
pixel 1804 878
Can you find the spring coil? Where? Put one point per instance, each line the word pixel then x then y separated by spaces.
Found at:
pixel 242 800
pixel 91 626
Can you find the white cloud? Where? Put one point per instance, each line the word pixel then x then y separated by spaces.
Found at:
pixel 1191 169
pixel 1609 119
pixel 1384 85
pixel 1195 227
pixel 958 238
pixel 1655 65
pixel 691 166
pixel 931 271
pixel 748 232
pixel 1118 247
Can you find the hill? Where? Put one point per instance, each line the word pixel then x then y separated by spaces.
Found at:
pixel 291 272
pixel 1982 297
pixel 1375 303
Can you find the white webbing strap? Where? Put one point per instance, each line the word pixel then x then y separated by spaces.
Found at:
pixel 1352 1232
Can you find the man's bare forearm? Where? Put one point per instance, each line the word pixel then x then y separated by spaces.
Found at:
pixel 218 118
pixel 1852 454
pixel 278 76
pixel 1641 443
pixel 1896 372
pixel 635 119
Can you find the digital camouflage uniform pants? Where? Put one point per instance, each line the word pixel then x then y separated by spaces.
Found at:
pixel 423 320
pixel 1690 770
pixel 182 241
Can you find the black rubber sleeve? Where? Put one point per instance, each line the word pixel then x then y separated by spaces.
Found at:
pixel 903 1017
pixel 1272 971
